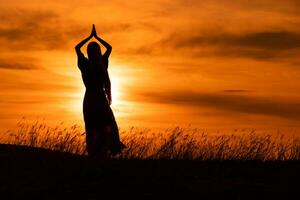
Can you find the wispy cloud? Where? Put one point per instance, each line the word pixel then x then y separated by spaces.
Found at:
pixel 22 29
pixel 257 45
pixel 30 30
pixel 236 91
pixel 265 40
pixel 19 63
pixel 228 102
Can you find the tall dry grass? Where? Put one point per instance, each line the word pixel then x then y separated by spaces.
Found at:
pixel 177 143
pixel 38 134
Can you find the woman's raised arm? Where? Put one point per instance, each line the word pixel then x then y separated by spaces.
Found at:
pixel 104 43
pixel 107 46
pixel 80 44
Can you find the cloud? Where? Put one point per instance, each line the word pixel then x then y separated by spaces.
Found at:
pixel 236 91
pixel 228 102
pixel 44 30
pixel 23 100
pixel 29 30
pixel 21 63
pixel 258 45
pixel 268 40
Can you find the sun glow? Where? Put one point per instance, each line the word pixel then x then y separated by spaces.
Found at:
pixel 76 99
pixel 115 91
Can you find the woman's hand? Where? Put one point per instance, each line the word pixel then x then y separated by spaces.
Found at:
pixel 80 44
pixel 94 33
pixel 107 46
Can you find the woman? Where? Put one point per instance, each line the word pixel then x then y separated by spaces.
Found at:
pixel 102 134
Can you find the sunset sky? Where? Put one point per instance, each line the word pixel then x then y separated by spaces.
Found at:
pixel 210 64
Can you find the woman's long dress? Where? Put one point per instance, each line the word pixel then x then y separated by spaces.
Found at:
pixel 102 134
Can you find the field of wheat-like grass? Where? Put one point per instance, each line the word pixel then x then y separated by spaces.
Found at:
pixel 176 143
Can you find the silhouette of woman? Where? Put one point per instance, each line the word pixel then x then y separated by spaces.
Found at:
pixel 102 134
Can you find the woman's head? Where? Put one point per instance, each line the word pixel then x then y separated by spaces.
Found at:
pixel 94 51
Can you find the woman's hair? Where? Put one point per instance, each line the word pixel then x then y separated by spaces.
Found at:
pixel 94 50
pixel 94 53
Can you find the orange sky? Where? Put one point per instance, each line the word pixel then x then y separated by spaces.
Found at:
pixel 211 64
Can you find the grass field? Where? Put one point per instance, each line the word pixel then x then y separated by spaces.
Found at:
pixel 40 162
pixel 176 144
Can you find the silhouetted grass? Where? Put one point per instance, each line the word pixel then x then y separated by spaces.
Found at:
pixel 177 143
pixel 60 138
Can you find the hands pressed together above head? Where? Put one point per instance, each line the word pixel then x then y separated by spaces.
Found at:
pixel 94 33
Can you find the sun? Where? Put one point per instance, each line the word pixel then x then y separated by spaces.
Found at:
pixel 76 99
pixel 115 90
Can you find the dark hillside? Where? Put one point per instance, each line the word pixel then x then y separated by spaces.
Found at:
pixel 37 173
